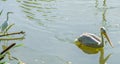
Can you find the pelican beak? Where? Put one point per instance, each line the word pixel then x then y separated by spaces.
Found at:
pixel 106 36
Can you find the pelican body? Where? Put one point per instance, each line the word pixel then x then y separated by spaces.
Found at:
pixel 94 41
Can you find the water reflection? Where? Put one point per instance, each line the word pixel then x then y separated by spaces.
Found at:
pixel 97 3
pixel 104 11
pixel 102 58
pixel 38 10
pixel 106 20
pixel 6 36
pixel 104 17
pixel 104 3
pixel 89 50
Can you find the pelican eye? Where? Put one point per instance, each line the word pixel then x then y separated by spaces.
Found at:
pixel 103 30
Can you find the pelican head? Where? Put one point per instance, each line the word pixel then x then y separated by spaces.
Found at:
pixel 103 33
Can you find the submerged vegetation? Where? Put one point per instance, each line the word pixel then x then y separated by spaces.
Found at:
pixel 5 54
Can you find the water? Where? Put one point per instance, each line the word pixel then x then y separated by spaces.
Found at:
pixel 51 26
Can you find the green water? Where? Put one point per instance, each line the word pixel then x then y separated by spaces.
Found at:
pixel 51 27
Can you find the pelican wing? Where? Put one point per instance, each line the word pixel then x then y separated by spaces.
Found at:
pixel 91 40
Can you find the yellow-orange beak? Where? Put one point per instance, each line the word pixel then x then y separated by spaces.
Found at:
pixel 106 36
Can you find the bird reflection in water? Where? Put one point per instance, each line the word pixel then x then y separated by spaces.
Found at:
pixel 90 50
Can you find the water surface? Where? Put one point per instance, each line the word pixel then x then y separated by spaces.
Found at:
pixel 51 27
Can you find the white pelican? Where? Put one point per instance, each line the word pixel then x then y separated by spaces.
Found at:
pixel 91 40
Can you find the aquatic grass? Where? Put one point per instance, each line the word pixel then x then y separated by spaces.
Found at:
pixel 5 55
pixel 18 45
pixel 3 34
pixel 5 51
pixel 13 33
pixel 7 28
pixel 16 38
pixel 7 48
